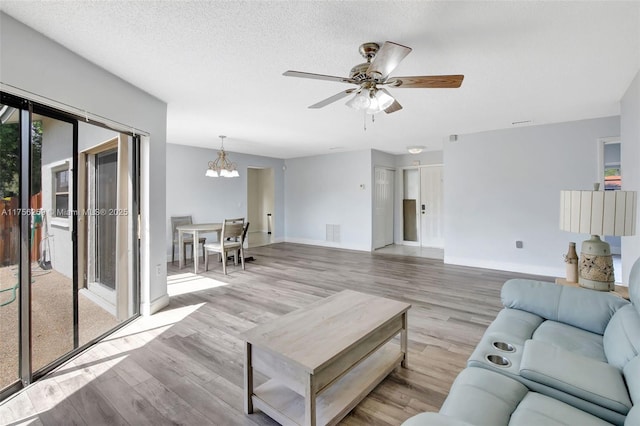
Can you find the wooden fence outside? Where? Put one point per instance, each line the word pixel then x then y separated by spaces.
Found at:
pixel 10 230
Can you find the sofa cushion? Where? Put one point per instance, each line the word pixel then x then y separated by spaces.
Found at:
pixel 481 397
pixel 622 337
pixel 632 376
pixel 434 419
pixel 634 284
pixel 633 416
pixel 537 409
pixel 585 378
pixel 518 325
pixel 570 338
pixel 583 308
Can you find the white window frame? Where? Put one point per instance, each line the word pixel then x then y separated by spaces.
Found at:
pixel 60 221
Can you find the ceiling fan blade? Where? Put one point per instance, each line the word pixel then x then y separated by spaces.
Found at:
pixel 395 106
pixel 428 81
pixel 317 76
pixel 332 99
pixel 387 59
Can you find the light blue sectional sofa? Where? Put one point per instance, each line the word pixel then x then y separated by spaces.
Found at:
pixel 555 355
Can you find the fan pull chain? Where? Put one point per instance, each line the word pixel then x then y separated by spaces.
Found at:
pixel 364 120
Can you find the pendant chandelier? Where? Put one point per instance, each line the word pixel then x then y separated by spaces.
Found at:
pixel 221 166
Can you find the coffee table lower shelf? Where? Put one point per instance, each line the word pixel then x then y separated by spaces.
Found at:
pixel 336 401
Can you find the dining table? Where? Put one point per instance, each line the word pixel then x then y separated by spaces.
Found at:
pixel 195 229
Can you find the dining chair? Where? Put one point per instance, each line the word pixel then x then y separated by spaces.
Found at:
pixel 186 241
pixel 230 241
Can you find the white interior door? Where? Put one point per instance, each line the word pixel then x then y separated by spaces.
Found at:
pixel 431 207
pixel 383 207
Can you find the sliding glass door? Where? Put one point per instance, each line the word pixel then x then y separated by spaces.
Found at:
pixel 9 245
pixel 68 217
pixel 51 243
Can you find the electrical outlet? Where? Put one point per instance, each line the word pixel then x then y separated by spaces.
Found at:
pixel 519 244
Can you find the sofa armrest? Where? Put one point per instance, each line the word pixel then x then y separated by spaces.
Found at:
pixel 580 307
pixel 433 419
pixel 585 378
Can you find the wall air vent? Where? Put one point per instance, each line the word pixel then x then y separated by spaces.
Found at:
pixel 333 233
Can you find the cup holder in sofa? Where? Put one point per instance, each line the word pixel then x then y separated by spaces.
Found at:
pixel 498 360
pixel 503 346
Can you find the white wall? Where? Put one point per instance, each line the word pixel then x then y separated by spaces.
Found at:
pixel 326 189
pixel 504 185
pixel 190 192
pixel 34 63
pixel 630 164
pixel 57 152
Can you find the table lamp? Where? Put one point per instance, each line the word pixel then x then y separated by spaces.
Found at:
pixel 597 213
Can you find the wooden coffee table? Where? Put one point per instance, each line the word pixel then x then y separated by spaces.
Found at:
pixel 323 359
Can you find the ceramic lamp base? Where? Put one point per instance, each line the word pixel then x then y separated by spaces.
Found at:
pixel 596 265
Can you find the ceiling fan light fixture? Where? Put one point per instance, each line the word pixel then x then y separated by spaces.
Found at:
pixel 384 99
pixel 381 61
pixel 359 102
pixel 379 101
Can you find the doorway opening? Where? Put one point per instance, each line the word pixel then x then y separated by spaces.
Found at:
pixel 422 215
pixel 260 206
pixel 610 176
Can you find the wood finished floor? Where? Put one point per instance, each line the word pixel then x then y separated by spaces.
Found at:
pixel 184 364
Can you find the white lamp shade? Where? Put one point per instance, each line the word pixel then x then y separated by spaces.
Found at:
pixel 211 173
pixel 379 102
pixel 610 213
pixel 384 100
pixel 359 102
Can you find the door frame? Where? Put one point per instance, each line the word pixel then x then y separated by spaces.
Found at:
pixel 117 302
pixel 374 222
pixel 26 109
pixel 400 192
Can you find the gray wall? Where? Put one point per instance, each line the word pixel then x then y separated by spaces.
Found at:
pixel 330 189
pixel 34 63
pixel 206 199
pixel 630 145
pixel 504 185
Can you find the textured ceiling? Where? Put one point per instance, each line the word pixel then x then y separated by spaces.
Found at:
pixel 219 65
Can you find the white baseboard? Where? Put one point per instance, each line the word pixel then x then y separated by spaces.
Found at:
pixel 547 271
pixel 147 309
pixel 327 244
